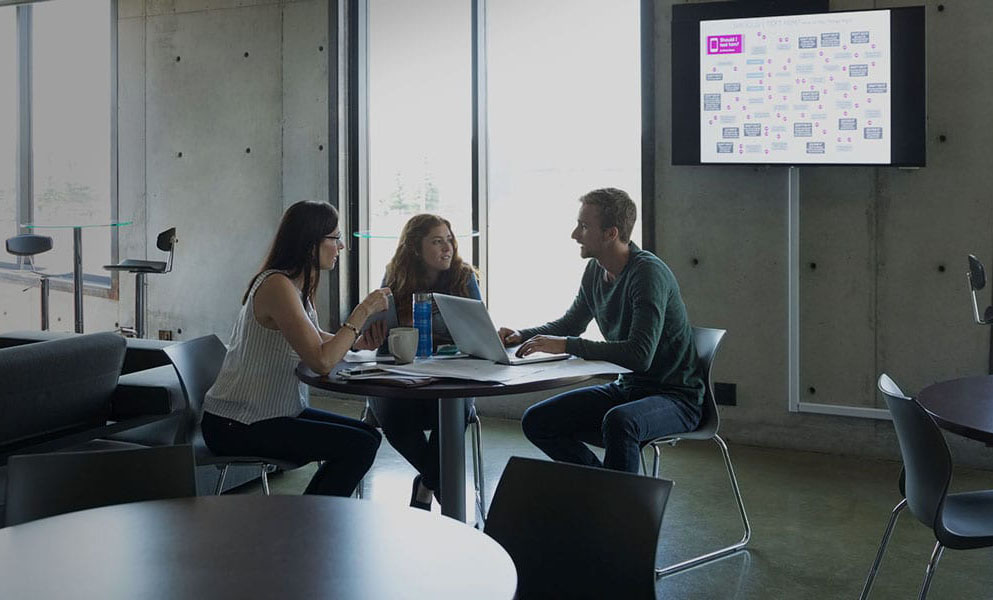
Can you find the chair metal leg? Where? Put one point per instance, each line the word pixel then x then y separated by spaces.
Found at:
pixel 139 305
pixel 882 548
pixel 265 479
pixel 656 461
pixel 931 566
pixel 740 545
pixel 477 468
pixel 220 481
pixel 365 417
pixel 46 285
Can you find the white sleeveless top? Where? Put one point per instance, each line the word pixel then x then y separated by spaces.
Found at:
pixel 257 379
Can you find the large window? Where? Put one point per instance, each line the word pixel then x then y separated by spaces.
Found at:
pixel 559 114
pixel 564 118
pixel 420 118
pixel 67 147
pixel 559 110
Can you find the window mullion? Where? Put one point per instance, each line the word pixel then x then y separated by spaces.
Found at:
pixel 480 204
pixel 24 176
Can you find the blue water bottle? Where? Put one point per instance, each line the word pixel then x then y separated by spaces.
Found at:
pixel 422 322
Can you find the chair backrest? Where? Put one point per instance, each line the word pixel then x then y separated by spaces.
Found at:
pixel 707 341
pixel 197 363
pixel 166 242
pixel 28 244
pixel 926 460
pixel 43 485
pixel 977 274
pixel 578 532
pixel 59 385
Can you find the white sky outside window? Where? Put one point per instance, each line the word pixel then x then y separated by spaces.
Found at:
pixel 8 125
pixel 420 121
pixel 71 128
pixel 564 104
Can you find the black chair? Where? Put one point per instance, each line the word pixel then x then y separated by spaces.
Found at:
pixel 166 242
pixel 578 532
pixel 29 245
pixel 707 342
pixel 962 521
pixel 977 281
pixel 43 485
pixel 197 363
pixel 476 434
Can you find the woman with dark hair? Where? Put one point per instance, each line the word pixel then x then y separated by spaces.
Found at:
pixel 257 407
pixel 426 260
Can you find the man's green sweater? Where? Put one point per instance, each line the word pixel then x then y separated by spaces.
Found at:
pixel 643 320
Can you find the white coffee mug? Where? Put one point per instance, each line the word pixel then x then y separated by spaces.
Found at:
pixel 403 344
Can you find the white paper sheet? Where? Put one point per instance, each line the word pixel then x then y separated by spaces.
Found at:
pixel 485 370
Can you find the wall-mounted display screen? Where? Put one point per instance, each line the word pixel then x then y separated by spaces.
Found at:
pixel 843 88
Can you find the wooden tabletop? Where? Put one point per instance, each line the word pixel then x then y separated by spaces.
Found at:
pixel 247 546
pixel 444 388
pixel 963 406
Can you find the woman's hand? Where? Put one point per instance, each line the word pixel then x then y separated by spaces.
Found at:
pixel 376 301
pixel 372 338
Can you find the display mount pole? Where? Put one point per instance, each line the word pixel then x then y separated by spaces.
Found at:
pixel 793 285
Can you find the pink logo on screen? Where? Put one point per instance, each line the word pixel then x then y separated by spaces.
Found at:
pixel 724 44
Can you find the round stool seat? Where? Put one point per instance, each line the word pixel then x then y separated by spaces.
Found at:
pixel 132 265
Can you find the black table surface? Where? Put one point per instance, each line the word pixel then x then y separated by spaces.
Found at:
pixel 247 546
pixel 443 388
pixel 963 406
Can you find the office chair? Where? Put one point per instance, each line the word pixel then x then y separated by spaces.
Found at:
pixel 166 242
pixel 43 485
pixel 476 434
pixel 197 363
pixel 578 532
pixel 707 342
pixel 29 245
pixel 962 521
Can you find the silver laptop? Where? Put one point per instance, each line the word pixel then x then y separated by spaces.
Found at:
pixel 469 323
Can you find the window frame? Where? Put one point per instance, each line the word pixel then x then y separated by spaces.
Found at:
pixel 94 284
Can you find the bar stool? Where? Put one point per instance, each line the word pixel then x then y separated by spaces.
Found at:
pixel 28 245
pixel 166 242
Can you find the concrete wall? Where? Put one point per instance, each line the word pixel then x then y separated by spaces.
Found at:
pixel 888 293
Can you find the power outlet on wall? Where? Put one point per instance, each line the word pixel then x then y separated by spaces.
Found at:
pixel 726 394
pixel 165 334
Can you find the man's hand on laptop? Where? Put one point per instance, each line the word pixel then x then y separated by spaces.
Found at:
pixel 551 344
pixel 509 337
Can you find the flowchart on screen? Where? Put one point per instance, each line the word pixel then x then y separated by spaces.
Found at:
pixel 808 88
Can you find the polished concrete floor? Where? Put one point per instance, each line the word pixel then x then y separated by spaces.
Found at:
pixel 816 519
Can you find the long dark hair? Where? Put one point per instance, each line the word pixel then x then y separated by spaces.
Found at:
pixel 296 247
pixel 405 273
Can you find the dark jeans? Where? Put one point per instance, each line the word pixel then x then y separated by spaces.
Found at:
pixel 404 423
pixel 346 446
pixel 619 420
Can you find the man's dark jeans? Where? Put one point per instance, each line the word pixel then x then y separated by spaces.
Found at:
pixel 606 415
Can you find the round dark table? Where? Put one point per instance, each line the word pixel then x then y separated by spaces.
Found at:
pixel 450 394
pixel 244 546
pixel 963 406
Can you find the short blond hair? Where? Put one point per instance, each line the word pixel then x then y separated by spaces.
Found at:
pixel 617 209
